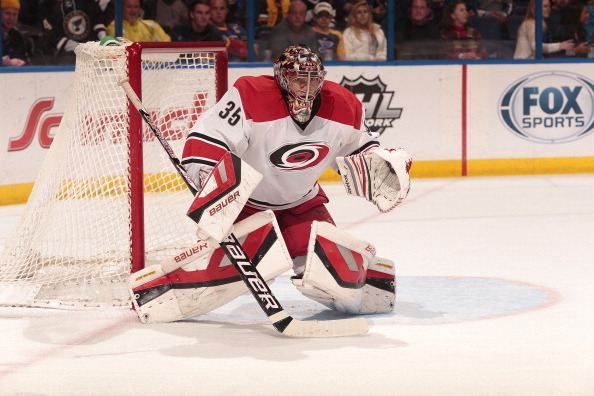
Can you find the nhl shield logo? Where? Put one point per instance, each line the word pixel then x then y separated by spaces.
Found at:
pixel 376 99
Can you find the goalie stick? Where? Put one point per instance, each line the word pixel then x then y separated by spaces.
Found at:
pixel 280 319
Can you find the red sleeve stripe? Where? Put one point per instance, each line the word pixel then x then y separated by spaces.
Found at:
pixel 200 149
pixel 208 139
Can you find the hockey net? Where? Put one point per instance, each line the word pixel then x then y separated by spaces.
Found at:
pixel 107 200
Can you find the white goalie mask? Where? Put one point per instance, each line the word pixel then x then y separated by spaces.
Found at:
pixel 299 73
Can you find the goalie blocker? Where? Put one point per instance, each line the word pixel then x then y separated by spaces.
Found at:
pixel 223 194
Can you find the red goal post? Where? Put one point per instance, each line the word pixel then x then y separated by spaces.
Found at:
pixel 107 201
pixel 135 66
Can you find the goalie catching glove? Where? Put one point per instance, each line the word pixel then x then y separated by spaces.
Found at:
pixel 379 175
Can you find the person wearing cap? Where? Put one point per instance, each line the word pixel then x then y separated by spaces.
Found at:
pixel 330 40
pixel 15 49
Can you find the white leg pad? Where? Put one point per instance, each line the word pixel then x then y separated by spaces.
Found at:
pixel 262 240
pixel 153 296
pixel 336 272
pixel 379 291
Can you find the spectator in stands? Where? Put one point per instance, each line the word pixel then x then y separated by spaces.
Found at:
pixel 526 41
pixel 495 10
pixel 66 23
pixel 575 16
pixel 238 10
pixel 277 10
pixel 199 28
pixel 310 4
pixel 108 9
pixel 461 41
pixel 499 9
pixel 235 36
pixel 167 13
pixel 589 26
pixel 134 28
pixel 15 48
pixel 379 10
pixel 292 30
pixel 343 9
pixel 330 41
pixel 29 13
pixel 557 9
pixel 363 38
pixel 418 37
pixel 437 7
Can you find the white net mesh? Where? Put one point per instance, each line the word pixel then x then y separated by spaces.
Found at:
pixel 72 246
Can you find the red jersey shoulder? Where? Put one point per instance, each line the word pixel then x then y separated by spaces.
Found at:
pixel 340 105
pixel 261 98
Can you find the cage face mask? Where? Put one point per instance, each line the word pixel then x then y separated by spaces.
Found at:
pixel 299 72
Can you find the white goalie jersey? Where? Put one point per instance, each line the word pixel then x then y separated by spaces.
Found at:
pixel 251 120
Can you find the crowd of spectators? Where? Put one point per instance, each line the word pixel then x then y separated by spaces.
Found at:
pixel 526 38
pixel 45 32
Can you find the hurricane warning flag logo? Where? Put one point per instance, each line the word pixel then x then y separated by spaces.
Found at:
pixel 299 156
pixel 549 107
pixel 376 99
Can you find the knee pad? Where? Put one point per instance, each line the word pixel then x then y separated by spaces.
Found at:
pixel 210 280
pixel 343 273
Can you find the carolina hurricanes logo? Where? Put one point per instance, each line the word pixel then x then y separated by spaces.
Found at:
pixel 299 156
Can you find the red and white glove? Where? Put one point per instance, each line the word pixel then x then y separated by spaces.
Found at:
pixel 379 175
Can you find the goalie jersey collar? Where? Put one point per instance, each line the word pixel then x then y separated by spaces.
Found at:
pixel 263 101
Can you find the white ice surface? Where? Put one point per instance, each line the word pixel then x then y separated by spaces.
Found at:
pixel 495 297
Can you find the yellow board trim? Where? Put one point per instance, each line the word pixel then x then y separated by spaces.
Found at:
pixel 530 166
pixel 419 169
pixel 19 193
pixel 15 193
pixel 94 187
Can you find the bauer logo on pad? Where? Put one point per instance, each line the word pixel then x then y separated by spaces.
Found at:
pixel 223 179
pixel 221 199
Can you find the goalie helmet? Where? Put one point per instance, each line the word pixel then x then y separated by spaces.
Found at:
pixel 299 73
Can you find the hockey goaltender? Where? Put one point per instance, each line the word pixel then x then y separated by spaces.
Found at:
pixel 285 130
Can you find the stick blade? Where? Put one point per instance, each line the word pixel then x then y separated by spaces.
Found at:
pixel 326 328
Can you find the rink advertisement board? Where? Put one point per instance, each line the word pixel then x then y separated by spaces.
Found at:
pixel 530 118
pixel 453 119
pixel 32 105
